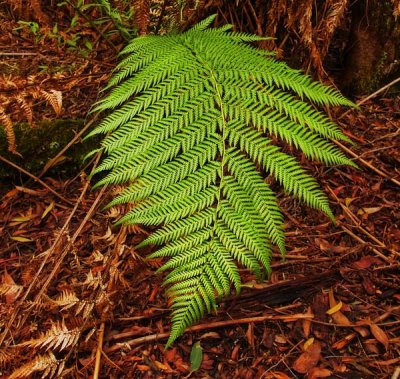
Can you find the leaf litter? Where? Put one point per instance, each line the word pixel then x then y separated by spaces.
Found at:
pixel 332 309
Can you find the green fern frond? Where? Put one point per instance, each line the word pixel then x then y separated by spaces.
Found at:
pixel 191 133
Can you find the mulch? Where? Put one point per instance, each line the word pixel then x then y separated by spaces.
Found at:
pixel 330 309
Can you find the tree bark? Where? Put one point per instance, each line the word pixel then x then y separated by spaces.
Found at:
pixel 373 49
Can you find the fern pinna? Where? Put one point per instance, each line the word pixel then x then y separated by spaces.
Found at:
pixel 192 136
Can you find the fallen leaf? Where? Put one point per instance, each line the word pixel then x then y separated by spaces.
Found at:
pixel 337 307
pixel 307 323
pixel 309 359
pixel 11 193
pixel 209 335
pixel 196 356
pixel 162 366
pixel 250 334
pixel 170 354
pixel 21 239
pixel 348 200
pixel 279 375
pixel 21 219
pixel 339 345
pixel 366 262
pixel 47 210
pixel 323 244
pixel 9 288
pixel 368 285
pixel 379 334
pixel 369 210
pixel 308 343
pixel 143 367
pixel 319 372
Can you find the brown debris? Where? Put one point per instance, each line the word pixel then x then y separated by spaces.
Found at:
pixel 78 299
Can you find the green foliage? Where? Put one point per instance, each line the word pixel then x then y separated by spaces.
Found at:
pixel 192 136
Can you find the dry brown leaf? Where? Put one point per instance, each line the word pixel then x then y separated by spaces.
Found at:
pixel 162 366
pixel 45 363
pixel 367 261
pixel 340 319
pixel 9 288
pixel 170 354
pixel 379 334
pixel 307 323
pixel 309 359
pixel 8 127
pixel 143 368
pixel 339 345
pixel 250 334
pixel 279 375
pixel 319 372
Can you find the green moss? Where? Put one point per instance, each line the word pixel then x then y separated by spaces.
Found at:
pixel 38 145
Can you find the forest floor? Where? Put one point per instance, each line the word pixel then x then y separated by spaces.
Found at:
pixel 77 296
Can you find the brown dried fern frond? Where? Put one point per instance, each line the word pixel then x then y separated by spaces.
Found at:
pixel 24 99
pixel 330 23
pixel 66 299
pixel 141 15
pixel 6 356
pixel 396 8
pixel 26 107
pixel 48 364
pixel 58 337
pixel 13 290
pixel 54 98
pixel 8 127
pixel 92 281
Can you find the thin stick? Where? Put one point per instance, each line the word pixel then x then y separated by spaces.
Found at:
pixel 98 352
pixel 12 54
pixel 35 178
pixel 365 163
pixel 377 252
pixel 213 325
pixel 374 94
pixel 357 224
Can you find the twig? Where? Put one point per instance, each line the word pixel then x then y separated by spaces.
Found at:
pixel 357 224
pixel 365 163
pixel 98 352
pixel 212 325
pixel 12 54
pixel 35 178
pixel 357 238
pixel 384 88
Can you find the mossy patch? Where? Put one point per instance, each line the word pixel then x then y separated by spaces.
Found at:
pixel 40 144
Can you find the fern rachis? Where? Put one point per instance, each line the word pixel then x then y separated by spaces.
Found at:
pixel 190 137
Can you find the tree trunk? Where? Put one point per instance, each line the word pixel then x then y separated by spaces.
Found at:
pixel 373 49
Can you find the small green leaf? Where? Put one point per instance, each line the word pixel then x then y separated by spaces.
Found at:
pixel 196 357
